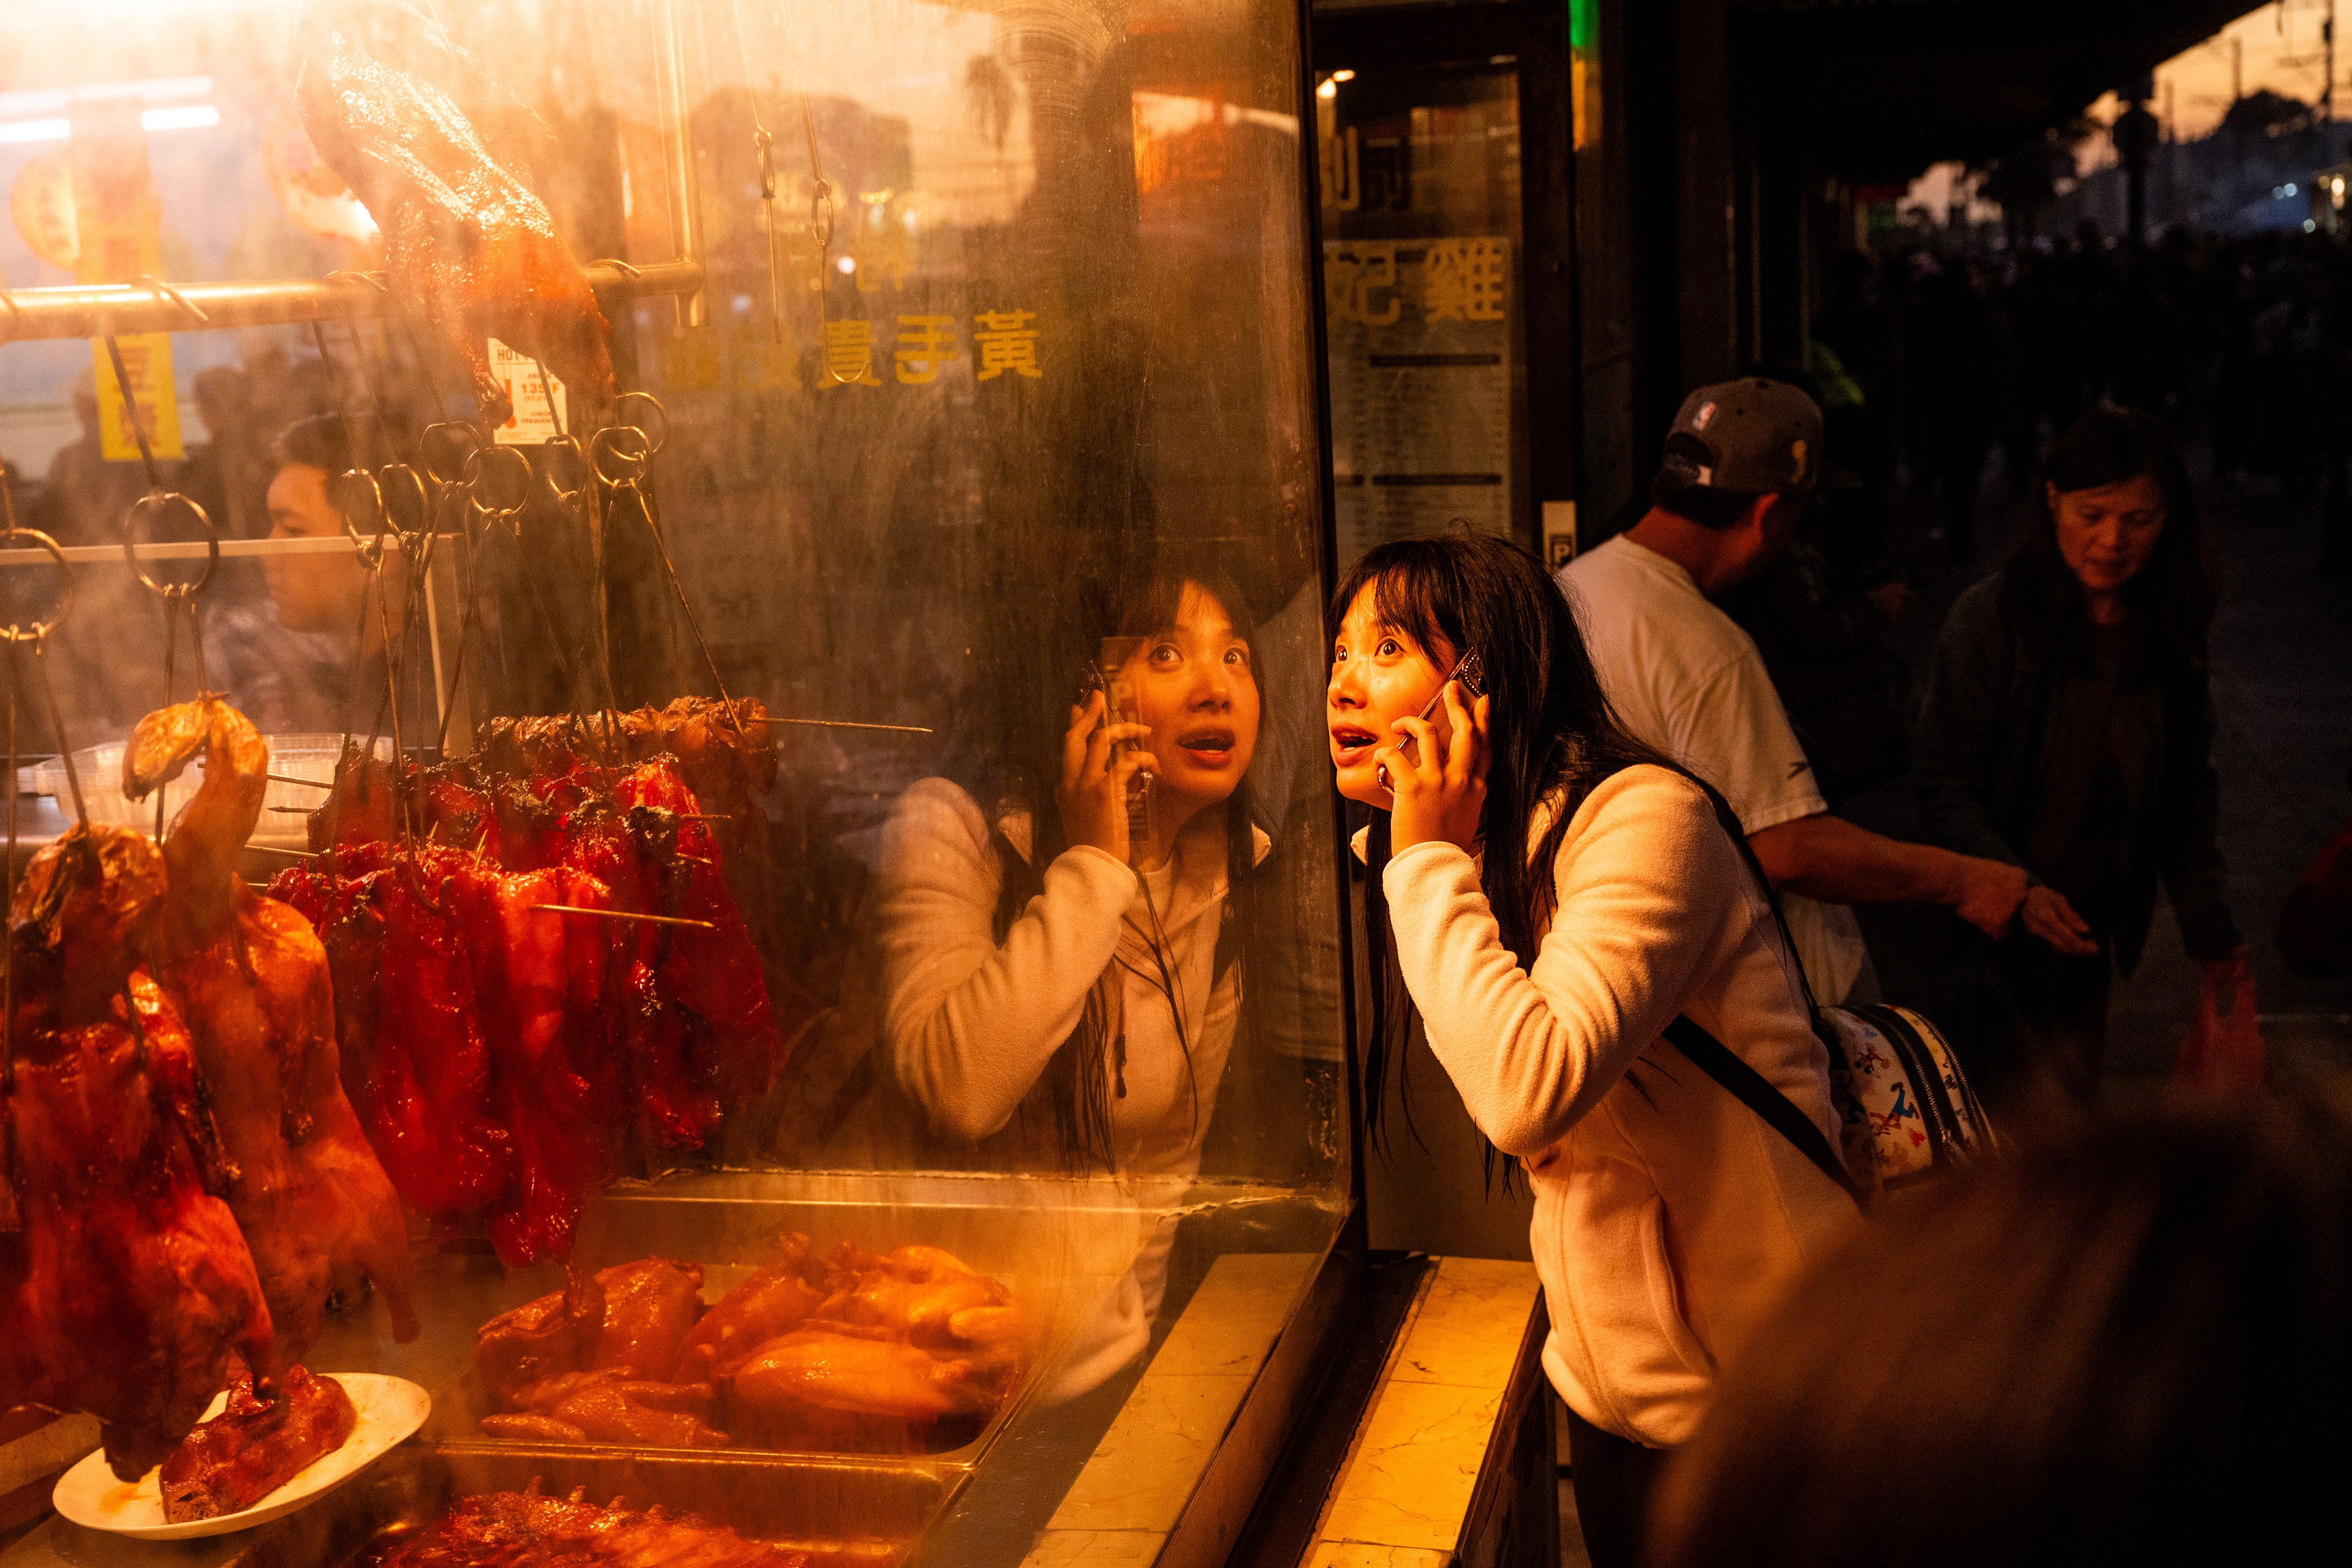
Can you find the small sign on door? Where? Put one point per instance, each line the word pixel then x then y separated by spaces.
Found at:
pixel 537 396
pixel 1559 533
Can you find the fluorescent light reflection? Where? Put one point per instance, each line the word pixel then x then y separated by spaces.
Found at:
pixel 188 116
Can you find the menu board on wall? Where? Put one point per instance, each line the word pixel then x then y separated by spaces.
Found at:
pixel 1421 386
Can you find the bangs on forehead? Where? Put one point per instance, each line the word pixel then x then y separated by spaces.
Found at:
pixel 1160 605
pixel 1406 598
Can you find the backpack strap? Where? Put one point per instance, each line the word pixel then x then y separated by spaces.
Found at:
pixel 1754 1090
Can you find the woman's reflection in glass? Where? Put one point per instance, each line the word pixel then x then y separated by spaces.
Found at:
pixel 1062 973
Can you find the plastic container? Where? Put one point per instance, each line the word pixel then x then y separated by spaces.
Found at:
pixel 296 756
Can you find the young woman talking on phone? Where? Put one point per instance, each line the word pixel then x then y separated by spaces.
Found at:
pixel 1060 963
pixel 1548 895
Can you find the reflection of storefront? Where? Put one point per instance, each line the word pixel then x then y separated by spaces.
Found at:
pixel 932 330
pixel 1441 158
pixel 1443 164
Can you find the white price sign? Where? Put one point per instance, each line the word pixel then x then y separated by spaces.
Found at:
pixel 539 400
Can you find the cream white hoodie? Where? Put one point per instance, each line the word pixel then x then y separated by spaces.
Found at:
pixel 970 1023
pixel 1668 1215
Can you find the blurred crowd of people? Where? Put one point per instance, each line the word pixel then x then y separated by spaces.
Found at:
pixel 1943 362
pixel 277 636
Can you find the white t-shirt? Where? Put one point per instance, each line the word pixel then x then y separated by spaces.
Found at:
pixel 1685 678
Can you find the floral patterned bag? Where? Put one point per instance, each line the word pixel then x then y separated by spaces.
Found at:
pixel 1909 1113
pixel 1907 1107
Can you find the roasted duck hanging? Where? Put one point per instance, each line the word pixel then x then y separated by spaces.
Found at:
pixel 250 976
pixel 425 140
pixel 538 975
pixel 129 1286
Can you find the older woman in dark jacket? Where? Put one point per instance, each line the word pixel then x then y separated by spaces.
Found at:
pixel 2068 729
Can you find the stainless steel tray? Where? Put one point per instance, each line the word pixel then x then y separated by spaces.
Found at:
pixel 1062 1246
pixel 878 1509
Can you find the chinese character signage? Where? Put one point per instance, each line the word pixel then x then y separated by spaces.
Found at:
pixel 1003 343
pixel 147 356
pixel 1420 335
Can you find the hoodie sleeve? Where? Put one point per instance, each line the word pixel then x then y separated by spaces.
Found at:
pixel 970 1024
pixel 1643 903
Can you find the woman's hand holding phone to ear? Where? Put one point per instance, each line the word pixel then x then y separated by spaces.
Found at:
pixel 1439 791
pixel 1097 761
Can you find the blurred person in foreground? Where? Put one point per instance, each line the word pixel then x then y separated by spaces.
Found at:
pixel 2068 729
pixel 2130 1346
pixel 1741 467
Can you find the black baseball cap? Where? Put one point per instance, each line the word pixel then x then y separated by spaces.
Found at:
pixel 1753 436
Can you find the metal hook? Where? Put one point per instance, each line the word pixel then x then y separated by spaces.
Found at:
pixel 657 436
pixel 477 478
pixel 553 447
pixel 371 550
pixel 610 449
pixel 131 415
pixel 448 430
pixel 12 634
pixel 385 479
pixel 159 503
pixel 58 721
pixel 174 295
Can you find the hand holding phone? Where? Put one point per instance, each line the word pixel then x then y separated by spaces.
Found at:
pixel 1104 766
pixel 1471 671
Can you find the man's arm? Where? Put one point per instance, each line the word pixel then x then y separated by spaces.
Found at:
pixel 1824 857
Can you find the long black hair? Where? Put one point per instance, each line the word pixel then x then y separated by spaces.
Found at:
pixel 2172 598
pixel 1551 735
pixel 1044 679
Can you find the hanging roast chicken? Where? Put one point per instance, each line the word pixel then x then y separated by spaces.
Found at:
pixel 129 1286
pixel 250 977
pixel 422 134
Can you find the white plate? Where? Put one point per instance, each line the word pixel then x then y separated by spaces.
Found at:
pixel 390 1409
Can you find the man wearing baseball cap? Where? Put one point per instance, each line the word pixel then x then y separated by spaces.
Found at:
pixel 1742 465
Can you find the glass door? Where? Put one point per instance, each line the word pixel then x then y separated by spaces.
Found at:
pixel 1423 297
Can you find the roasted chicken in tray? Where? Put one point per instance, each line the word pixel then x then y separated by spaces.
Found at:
pixel 250 977
pixel 254 1447
pixel 428 141
pixel 128 1286
pixel 523 1530
pixel 845 1352
pixel 510 1056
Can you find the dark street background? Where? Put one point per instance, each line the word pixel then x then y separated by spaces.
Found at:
pixel 2281 676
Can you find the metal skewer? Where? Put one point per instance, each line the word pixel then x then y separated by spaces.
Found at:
pixel 853 724
pixel 624 915
pixel 296 853
pixel 289 778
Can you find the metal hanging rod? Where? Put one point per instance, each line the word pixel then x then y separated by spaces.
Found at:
pixel 93 310
pixel 194 550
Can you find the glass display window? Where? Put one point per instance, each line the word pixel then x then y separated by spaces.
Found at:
pixel 723 645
